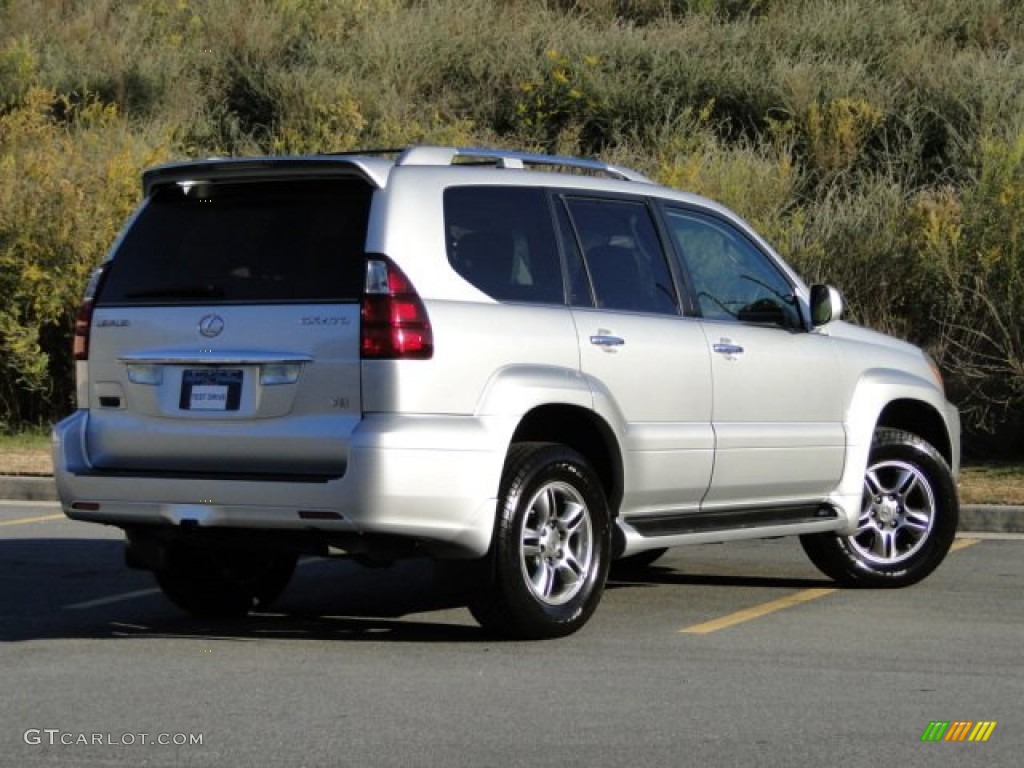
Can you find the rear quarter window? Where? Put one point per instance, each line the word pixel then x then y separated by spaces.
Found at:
pixel 502 240
pixel 251 242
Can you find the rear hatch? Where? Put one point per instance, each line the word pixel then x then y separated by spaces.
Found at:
pixel 225 329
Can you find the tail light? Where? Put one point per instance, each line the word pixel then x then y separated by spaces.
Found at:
pixel 83 319
pixel 395 325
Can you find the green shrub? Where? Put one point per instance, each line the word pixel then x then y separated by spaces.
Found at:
pixel 973 244
pixel 18 68
pixel 561 100
pixel 68 178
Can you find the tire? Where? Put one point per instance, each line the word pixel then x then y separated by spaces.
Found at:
pixel 272 577
pixel 550 553
pixel 908 517
pixel 639 561
pixel 210 583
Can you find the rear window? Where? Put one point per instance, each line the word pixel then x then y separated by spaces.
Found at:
pixel 244 242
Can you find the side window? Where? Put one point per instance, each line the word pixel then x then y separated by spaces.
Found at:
pixel 576 271
pixel 733 279
pixel 623 255
pixel 501 239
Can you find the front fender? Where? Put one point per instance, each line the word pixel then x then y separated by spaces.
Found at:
pixel 877 389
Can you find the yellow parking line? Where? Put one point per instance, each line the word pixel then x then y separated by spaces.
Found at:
pixel 23 520
pixel 756 612
pixel 963 544
pixel 764 609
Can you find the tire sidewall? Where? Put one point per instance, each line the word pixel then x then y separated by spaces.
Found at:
pixel 544 465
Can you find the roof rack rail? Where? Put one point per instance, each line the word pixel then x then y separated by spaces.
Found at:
pixel 364 152
pixel 503 158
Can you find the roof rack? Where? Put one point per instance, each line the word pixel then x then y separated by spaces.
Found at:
pixel 364 152
pixel 502 158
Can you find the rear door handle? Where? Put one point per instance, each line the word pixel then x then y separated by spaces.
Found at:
pixel 727 348
pixel 606 341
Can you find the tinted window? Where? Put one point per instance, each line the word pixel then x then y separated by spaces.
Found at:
pixel 733 279
pixel 285 241
pixel 623 255
pixel 501 240
pixel 577 280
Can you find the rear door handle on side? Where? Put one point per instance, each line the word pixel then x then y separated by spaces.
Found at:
pixel 727 348
pixel 607 341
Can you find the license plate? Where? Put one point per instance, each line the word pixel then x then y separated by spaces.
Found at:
pixel 211 389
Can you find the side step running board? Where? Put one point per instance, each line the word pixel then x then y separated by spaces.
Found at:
pixel 730 519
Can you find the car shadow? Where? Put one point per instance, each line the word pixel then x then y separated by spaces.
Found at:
pixel 80 588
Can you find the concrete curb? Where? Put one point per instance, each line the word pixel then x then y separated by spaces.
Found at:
pixel 991 518
pixel 974 518
pixel 25 488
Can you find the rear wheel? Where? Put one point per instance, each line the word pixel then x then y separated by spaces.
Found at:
pixel 908 519
pixel 217 583
pixel 549 557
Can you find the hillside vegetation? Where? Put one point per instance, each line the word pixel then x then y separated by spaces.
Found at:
pixel 879 144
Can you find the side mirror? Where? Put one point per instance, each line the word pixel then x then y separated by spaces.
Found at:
pixel 826 305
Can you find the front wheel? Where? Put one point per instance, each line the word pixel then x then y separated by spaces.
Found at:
pixel 549 558
pixel 908 519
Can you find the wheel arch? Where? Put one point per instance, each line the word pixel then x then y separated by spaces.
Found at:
pixel 584 432
pixel 895 399
pixel 921 419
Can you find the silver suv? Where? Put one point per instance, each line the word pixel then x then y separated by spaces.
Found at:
pixel 531 364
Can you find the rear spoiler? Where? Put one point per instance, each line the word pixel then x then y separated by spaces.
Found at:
pixel 371 169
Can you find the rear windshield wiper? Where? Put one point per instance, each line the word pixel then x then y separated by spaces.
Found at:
pixel 179 292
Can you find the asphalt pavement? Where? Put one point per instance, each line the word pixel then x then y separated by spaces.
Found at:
pixel 738 655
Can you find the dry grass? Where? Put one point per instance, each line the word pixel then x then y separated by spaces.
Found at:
pixel 27 453
pixel 993 484
pixel 25 462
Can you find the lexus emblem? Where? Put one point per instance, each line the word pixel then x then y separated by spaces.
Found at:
pixel 211 325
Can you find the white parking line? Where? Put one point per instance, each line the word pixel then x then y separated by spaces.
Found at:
pixel 112 599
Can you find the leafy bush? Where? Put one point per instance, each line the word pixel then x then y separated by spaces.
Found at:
pixel 68 177
pixel 972 244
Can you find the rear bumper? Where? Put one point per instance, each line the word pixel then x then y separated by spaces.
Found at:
pixel 425 478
